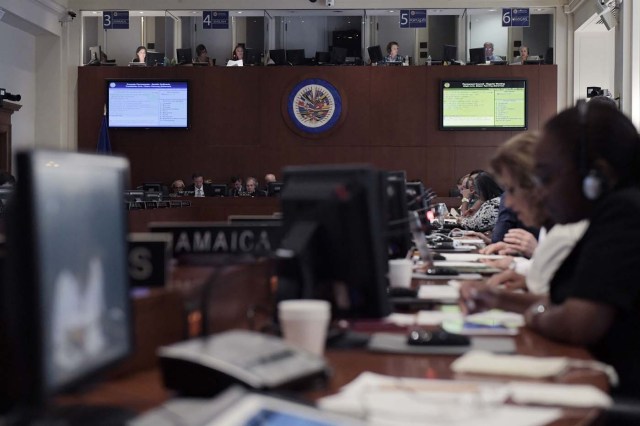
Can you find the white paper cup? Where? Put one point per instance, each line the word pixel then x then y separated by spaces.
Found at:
pixel 304 323
pixel 400 271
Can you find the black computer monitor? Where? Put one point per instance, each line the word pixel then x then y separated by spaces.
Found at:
pixel 218 190
pixel 155 59
pixel 184 56
pixel 274 188
pixel 398 231
pixel 334 244
pixel 95 55
pixel 338 55
pixel 323 58
pixel 295 56
pixel 278 57
pixel 375 54
pixel 65 304
pixel 449 52
pixel 548 58
pixel 252 57
pixel 476 55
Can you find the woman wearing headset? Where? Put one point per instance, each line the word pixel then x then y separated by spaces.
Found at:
pixel 587 166
pixel 392 53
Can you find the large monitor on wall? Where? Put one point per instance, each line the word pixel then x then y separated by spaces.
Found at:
pixel 148 104
pixel 65 305
pixel 334 244
pixel 483 104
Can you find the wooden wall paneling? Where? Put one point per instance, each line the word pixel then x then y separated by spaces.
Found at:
pixel 238 125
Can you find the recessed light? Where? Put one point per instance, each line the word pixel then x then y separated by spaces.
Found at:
pixel 239 11
pixel 95 13
pixel 141 12
pixel 391 11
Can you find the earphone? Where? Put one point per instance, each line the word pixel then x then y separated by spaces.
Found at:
pixel 592 180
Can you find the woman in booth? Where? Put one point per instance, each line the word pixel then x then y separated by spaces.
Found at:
pixel 141 54
pixel 238 53
pixel 587 166
pixel 392 53
pixel 202 57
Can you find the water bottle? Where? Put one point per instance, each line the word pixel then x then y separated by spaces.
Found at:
pixel 429 60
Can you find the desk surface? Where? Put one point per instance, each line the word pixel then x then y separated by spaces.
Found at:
pixel 141 389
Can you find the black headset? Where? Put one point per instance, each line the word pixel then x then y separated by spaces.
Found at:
pixel 593 183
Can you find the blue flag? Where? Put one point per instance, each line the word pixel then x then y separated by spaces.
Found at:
pixel 104 145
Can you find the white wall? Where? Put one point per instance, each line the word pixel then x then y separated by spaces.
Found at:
pixel 488 27
pixel 594 56
pixel 18 76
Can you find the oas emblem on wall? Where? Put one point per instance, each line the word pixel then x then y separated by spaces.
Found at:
pixel 314 106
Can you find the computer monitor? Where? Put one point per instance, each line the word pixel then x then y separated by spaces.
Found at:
pixel 449 52
pixel 338 55
pixel 334 243
pixel 65 305
pixel 375 54
pixel 274 188
pixel 252 57
pixel 548 58
pixel 184 56
pixel 95 55
pixel 295 56
pixel 278 56
pixel 155 59
pixel 218 190
pixel 398 231
pixel 476 55
pixel 323 58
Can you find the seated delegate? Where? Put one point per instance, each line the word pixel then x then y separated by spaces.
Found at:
pixel 587 165
pixel 513 167
pixel 251 184
pixel 488 193
pixel 202 57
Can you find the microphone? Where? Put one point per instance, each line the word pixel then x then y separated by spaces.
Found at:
pixel 428 194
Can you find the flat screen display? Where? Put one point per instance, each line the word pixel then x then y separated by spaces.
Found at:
pixel 148 104
pixel 483 105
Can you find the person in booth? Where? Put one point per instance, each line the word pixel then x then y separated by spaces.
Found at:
pixel 488 52
pixel 198 187
pixel 269 177
pixel 251 185
pixel 587 166
pixel 141 54
pixel 524 55
pixel 202 56
pixel 238 53
pixel 392 53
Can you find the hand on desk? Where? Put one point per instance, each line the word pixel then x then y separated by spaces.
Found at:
pixel 503 263
pixel 477 297
pixel 517 242
pixel 511 280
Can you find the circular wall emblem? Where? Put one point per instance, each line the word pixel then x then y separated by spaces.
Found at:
pixel 314 106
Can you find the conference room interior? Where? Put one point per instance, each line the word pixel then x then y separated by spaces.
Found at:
pixel 239 125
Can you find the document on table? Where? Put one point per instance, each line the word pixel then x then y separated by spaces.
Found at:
pixel 392 401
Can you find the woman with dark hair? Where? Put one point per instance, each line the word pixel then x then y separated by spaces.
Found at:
pixel 238 53
pixel 141 54
pixel 587 166
pixel 392 53
pixel 488 192
pixel 202 56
